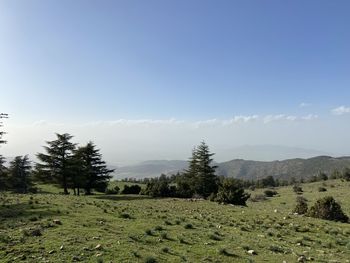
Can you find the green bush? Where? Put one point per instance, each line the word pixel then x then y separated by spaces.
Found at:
pixel 270 193
pixel 301 206
pixel 232 192
pixel 327 208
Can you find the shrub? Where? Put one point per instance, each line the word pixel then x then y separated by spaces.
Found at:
pixel 188 226
pixel 322 189
pixel 297 189
pixel 131 190
pixel 327 208
pixel 113 191
pixel 231 191
pixel 151 260
pixel 301 206
pixel 270 193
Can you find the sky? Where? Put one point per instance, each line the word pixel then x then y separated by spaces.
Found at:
pixel 151 79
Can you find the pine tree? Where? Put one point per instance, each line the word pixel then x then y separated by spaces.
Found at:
pixel 206 180
pixel 19 175
pixel 94 170
pixel 55 166
pixel 200 176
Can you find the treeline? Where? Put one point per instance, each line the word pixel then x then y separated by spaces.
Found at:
pixel 268 181
pixel 64 164
pixel 199 181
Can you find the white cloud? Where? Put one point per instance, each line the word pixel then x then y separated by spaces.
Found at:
pixel 309 117
pixel 240 119
pixel 292 118
pixel 341 110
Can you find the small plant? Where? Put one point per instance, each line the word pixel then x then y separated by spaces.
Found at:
pixel 168 223
pixel 149 232
pixel 327 208
pixel 165 250
pixel 164 235
pixel 301 206
pixel 125 216
pixel 215 237
pixel 297 189
pixel 188 226
pixel 150 259
pixel 322 189
pixel 270 193
pixel 158 228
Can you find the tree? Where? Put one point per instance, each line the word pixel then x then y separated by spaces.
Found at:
pixel 3 174
pixel 231 191
pixel 268 181
pixel 346 174
pixel 2 116
pixel 94 171
pixel 55 166
pixel 19 175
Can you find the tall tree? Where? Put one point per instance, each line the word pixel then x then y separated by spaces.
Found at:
pixel 55 166
pixel 206 180
pixel 94 170
pixel 19 175
pixel 200 176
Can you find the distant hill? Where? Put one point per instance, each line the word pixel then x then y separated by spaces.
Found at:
pixel 298 168
pixel 243 169
pixel 150 169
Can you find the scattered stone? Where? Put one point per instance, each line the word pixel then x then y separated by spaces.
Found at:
pixel 51 251
pixel 57 222
pixel 302 259
pixel 98 247
pixel 275 210
pixel 61 247
pixel 98 254
pixel 96 238
pixel 251 252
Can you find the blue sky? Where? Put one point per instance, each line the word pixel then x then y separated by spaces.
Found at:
pixel 90 61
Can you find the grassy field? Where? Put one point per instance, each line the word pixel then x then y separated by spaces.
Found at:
pixel 50 227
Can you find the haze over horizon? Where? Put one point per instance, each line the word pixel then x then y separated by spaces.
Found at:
pixel 148 80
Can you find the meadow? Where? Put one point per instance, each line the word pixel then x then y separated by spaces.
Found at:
pixel 50 227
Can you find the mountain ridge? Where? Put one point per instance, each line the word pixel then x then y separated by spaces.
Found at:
pixel 243 169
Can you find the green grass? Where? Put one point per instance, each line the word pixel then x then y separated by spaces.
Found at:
pixel 121 228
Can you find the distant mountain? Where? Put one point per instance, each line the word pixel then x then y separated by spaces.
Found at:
pixel 298 168
pixel 243 169
pixel 267 152
pixel 150 169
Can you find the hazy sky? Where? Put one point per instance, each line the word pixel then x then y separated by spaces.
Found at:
pixel 150 79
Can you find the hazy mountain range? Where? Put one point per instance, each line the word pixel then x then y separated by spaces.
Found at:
pixel 248 169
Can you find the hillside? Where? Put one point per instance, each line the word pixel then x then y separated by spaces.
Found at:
pixel 116 228
pixel 244 169
pixel 298 168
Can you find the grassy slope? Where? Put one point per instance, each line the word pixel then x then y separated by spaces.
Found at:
pixel 220 233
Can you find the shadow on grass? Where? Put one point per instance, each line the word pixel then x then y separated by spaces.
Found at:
pixel 122 197
pixel 16 212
